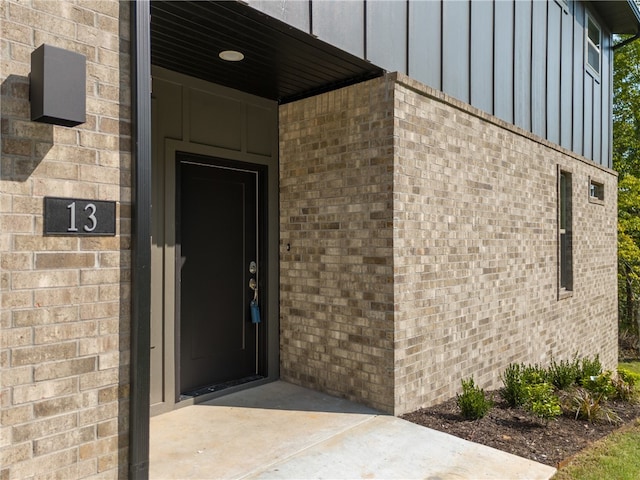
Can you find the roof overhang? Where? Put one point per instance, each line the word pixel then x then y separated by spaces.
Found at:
pixel 280 62
pixel 621 16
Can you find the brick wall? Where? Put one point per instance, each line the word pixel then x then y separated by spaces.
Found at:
pixel 476 250
pixel 65 300
pixel 396 288
pixel 336 176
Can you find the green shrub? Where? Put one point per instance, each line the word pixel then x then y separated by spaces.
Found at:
pixel 625 385
pixel 564 374
pixel 601 385
pixel 541 401
pixel 534 374
pixel 513 391
pixel 624 390
pixel 516 378
pixel 472 401
pixel 589 368
pixel 632 378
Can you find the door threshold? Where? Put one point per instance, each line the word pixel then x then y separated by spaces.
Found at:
pixel 218 387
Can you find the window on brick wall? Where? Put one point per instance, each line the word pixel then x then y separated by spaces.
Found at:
pixel 565 256
pixel 596 191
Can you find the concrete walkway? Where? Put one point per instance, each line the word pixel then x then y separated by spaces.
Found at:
pixel 283 431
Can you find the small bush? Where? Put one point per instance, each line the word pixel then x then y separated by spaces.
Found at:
pixel 600 385
pixel 542 402
pixel 624 390
pixel 534 374
pixel 516 378
pixel 472 401
pixel 564 374
pixel 629 377
pixel 590 368
pixel 513 391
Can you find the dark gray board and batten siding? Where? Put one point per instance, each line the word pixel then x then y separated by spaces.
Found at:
pixel 520 60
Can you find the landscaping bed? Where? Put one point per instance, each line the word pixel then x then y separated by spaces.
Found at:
pixel 517 431
pixel 543 414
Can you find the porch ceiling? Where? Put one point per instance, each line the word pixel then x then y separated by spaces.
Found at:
pixel 281 63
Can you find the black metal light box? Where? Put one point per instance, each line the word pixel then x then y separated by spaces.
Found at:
pixel 58 86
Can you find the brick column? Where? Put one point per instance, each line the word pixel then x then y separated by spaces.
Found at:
pixel 65 300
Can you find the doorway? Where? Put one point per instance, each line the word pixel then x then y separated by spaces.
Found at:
pixel 219 227
pixel 215 221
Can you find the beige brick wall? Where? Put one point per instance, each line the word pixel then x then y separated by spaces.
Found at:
pixel 336 174
pixel 399 284
pixel 64 356
pixel 475 250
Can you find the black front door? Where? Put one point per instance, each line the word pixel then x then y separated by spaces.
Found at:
pixel 217 225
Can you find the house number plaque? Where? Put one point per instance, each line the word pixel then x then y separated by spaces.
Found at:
pixel 73 216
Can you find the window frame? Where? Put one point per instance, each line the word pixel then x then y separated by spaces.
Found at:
pixel 565 233
pixel 596 191
pixel 595 72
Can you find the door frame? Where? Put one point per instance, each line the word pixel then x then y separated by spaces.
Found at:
pixel 271 267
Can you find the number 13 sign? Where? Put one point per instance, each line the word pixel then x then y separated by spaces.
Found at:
pixel 72 216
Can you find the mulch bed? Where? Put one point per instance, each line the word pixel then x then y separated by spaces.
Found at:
pixel 518 432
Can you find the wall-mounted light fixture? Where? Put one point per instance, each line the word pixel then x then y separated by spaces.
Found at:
pixel 57 86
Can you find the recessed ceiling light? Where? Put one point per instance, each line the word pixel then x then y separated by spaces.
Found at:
pixel 231 55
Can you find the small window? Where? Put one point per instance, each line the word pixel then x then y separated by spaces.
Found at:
pixel 594 39
pixel 596 192
pixel 565 238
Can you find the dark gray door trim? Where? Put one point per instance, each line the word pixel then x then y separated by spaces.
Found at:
pixel 141 234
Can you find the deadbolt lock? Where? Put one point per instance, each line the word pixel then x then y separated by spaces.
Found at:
pixel 253 268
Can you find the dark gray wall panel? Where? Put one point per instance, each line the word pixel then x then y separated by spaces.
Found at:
pixel 455 49
pixel 522 64
pixel 539 68
pixel 520 60
pixel 554 24
pixel 566 79
pixel 340 23
pixel 482 55
pixel 504 60
pixel 588 117
pixel 607 94
pixel 294 13
pixel 596 152
pixel 386 43
pixel 425 42
pixel 578 78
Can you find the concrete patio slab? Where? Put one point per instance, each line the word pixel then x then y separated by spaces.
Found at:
pixel 283 431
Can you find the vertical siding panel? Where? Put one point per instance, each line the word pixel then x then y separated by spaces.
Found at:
pixel 578 78
pixel 554 13
pixel 566 80
pixel 607 95
pixel 386 42
pixel 522 64
pixel 482 55
pixel 539 68
pixel 588 116
pixel 455 49
pixel 294 13
pixel 340 23
pixel 504 60
pixel 425 42
pixel 597 123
